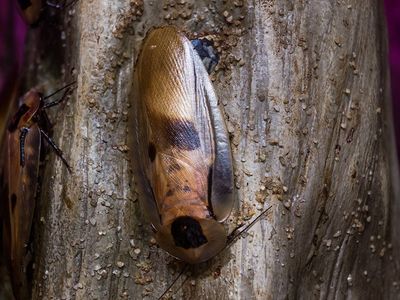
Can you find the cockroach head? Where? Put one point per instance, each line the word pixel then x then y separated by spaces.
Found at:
pixel 192 240
pixel 32 98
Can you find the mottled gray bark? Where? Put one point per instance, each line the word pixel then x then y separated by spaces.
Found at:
pixel 304 89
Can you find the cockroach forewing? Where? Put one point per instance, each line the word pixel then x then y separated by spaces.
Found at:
pixel 175 91
pixel 22 185
pixel 222 198
pixel 165 109
pixel 140 142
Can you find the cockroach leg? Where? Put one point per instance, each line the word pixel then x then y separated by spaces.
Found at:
pixel 56 149
pixel 58 101
pixel 24 132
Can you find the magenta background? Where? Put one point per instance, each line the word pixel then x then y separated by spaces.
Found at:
pixel 12 35
pixel 13 30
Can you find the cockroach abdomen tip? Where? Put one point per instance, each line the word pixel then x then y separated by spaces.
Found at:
pixel 187 233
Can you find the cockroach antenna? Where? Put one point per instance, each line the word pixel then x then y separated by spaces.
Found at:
pixel 184 269
pixel 59 90
pixel 233 236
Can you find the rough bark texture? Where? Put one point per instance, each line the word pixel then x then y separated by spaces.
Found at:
pixel 304 89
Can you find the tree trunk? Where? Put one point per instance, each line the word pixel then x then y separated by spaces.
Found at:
pixel 304 89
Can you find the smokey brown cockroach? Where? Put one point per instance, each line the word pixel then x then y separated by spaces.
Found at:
pixel 183 148
pixel 19 178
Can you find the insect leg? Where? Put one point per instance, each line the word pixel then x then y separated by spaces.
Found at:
pixel 56 149
pixel 24 132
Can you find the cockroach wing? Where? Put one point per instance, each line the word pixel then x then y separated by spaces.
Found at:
pixel 22 185
pixel 221 171
pixel 181 141
pixel 140 141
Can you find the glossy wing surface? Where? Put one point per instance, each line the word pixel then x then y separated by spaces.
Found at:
pixel 22 185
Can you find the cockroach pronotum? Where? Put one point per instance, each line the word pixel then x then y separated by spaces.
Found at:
pixel 183 148
pixel 20 171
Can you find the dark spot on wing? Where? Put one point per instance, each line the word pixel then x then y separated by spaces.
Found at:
pixel 173 168
pixel 187 233
pixel 18 115
pixel 13 201
pixel 182 134
pixel 186 189
pixel 24 4
pixel 169 193
pixel 209 185
pixel 152 151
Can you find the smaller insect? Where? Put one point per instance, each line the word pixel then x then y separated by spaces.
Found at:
pixel 20 169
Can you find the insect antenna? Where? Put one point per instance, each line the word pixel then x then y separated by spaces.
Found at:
pixel 234 235
pixel 175 280
pixel 59 90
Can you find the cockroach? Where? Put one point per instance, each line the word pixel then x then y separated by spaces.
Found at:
pixel 21 156
pixel 182 146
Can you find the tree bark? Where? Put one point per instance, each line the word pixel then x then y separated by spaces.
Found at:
pixel 304 89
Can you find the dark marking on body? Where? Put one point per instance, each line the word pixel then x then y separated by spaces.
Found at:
pixel 182 134
pixel 187 233
pixel 17 117
pixel 169 193
pixel 13 201
pixel 209 184
pixel 152 151
pixel 173 168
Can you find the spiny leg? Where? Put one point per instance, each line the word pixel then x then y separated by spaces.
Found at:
pixel 56 149
pixel 24 132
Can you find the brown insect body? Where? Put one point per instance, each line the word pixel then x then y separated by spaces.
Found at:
pixel 20 161
pixel 184 152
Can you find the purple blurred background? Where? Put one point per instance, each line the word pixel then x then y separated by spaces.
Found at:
pixel 12 36
pixel 13 30
pixel 393 19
